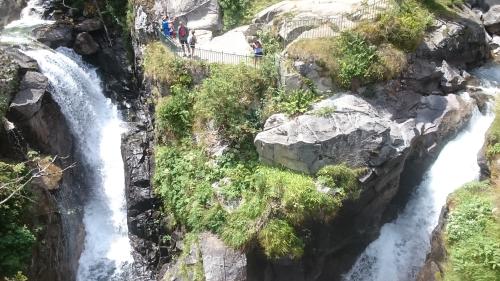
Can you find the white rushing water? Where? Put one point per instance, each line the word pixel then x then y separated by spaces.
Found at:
pixel 399 252
pixel 97 128
pixel 94 120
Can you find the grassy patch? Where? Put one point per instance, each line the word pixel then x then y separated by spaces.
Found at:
pixel 230 98
pixel 269 197
pixel 174 115
pixel 163 66
pixel 373 51
pixel 472 234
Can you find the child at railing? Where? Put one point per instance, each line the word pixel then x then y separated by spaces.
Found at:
pixel 165 26
pixel 192 40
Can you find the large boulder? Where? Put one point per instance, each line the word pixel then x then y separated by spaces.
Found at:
pixel 216 261
pixel 221 262
pixel 89 25
pixel 10 10
pixel 85 44
pixel 54 36
pixel 29 99
pixel 462 42
pixel 359 132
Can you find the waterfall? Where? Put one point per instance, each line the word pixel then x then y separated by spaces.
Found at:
pixel 97 128
pixel 399 252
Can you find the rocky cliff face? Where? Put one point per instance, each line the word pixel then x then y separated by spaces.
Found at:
pixel 34 121
pixel 395 133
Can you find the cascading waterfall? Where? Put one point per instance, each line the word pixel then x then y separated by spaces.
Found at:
pixel 399 252
pixel 97 129
pixel 75 86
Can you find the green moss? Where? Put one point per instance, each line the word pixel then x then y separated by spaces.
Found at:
pixel 278 239
pixel 472 235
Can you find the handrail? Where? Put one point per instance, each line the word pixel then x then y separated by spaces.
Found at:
pixel 209 55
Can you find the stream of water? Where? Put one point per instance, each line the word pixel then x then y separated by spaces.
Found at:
pixel 399 252
pixel 97 128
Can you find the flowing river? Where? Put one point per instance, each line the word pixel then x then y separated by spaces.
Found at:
pixel 97 129
pixel 399 252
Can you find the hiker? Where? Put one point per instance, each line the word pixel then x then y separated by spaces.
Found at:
pixel 183 34
pixel 257 50
pixel 165 26
pixel 192 40
pixel 175 26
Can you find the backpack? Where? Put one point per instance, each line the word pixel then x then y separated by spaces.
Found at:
pixel 182 31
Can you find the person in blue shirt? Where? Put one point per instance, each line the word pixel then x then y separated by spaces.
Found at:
pixel 165 26
pixel 258 51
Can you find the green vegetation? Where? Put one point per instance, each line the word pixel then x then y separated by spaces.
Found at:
pixel 16 239
pixel 472 235
pixel 228 98
pixel 493 148
pixel 268 197
pixel 164 67
pixel 240 12
pixel 373 51
pixel 232 195
pixel 292 102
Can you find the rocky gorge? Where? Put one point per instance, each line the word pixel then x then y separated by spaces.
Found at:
pixel 393 130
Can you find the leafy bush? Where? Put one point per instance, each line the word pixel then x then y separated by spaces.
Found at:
pixel 355 59
pixel 163 66
pixel 183 180
pixel 174 114
pixel 230 98
pixel 472 235
pixel 493 139
pixel 240 12
pixel 291 102
pixel 16 239
pixel 278 239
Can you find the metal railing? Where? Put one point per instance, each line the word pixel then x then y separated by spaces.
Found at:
pixel 332 26
pixel 210 56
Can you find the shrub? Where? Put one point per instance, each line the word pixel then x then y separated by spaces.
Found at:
pixel 278 239
pixel 183 179
pixel 472 235
pixel 356 59
pixel 163 66
pixel 16 239
pixel 230 98
pixel 494 134
pixel 291 102
pixel 174 114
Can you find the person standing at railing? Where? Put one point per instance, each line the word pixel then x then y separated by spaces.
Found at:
pixel 165 26
pixel 258 51
pixel 192 40
pixel 174 22
pixel 183 33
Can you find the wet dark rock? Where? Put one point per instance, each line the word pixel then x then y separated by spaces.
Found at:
pixel 10 10
pixel 57 35
pixel 462 42
pixel 89 25
pixel 433 267
pixel 85 44
pixel 28 100
pixel 452 80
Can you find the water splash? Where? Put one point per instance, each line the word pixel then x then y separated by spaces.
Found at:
pixel 95 123
pixel 399 252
